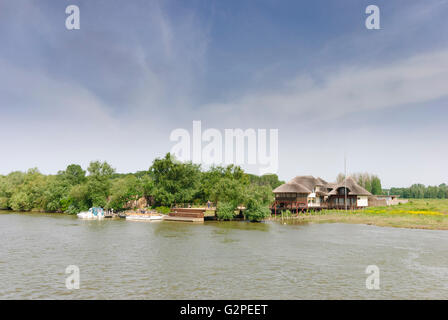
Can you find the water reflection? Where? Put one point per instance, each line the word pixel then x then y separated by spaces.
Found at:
pixel 239 225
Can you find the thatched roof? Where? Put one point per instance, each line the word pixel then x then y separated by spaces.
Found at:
pixel 322 181
pixel 301 184
pixel 331 185
pixel 292 187
pixel 353 188
pixel 306 184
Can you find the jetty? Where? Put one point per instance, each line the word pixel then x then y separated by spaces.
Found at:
pixel 186 214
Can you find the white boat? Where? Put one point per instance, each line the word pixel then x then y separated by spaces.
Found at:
pixel 141 217
pixel 93 213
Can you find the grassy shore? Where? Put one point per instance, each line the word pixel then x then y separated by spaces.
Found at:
pixel 416 214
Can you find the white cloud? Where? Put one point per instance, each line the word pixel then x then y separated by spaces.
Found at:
pixel 149 81
pixel 418 79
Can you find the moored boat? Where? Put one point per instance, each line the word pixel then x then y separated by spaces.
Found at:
pixel 144 217
pixel 93 213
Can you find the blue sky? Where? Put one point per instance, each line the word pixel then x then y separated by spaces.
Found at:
pixel 136 70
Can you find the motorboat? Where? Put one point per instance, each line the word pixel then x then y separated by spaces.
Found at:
pixel 93 213
pixel 144 217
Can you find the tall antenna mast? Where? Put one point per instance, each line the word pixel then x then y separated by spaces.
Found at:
pixel 345 180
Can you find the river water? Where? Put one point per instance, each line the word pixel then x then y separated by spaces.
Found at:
pixel 120 259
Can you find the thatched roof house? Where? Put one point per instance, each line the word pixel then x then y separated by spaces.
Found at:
pixel 352 186
pixel 304 192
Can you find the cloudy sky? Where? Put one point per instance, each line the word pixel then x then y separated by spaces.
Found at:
pixel 136 70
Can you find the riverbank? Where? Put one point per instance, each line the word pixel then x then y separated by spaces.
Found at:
pixel 416 214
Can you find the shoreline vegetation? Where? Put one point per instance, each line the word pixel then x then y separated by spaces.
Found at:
pixel 168 183
pixel 430 214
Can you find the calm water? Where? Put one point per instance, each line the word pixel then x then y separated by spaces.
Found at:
pixel 216 260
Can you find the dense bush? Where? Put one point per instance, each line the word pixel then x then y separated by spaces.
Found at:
pixel 163 210
pixel 256 211
pixel 3 203
pixel 72 210
pixel 225 211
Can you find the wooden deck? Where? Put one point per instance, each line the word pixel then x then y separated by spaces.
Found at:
pixel 186 214
pixel 185 219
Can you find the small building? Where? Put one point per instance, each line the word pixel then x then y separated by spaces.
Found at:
pixel 389 200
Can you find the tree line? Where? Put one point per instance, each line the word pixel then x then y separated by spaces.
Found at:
pixel 420 191
pixel 372 183
pixel 167 182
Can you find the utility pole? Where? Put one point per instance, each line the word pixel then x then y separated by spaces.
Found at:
pixel 345 181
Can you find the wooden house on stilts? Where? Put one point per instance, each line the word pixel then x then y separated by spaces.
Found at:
pixel 307 192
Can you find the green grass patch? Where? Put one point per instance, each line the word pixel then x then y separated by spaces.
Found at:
pixel 417 213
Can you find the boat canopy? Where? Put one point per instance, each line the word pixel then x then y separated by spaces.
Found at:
pixel 96 211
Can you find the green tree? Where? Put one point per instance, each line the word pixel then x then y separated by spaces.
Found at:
pixel 417 191
pixel 223 184
pixel 228 190
pixel 3 195
pixel 266 179
pixel 57 194
pixel 123 190
pixel 225 211
pixel 80 198
pixel 376 185
pixel 100 170
pixel 442 192
pixel 99 183
pixel 74 174
pixel 174 182
pixel 20 202
pixel 261 194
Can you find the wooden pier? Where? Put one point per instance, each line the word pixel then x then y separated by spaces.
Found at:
pixel 186 214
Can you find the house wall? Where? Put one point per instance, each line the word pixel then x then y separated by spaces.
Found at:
pixel 362 201
pixel 374 202
pixel 396 201
pixel 338 202
pixel 316 198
